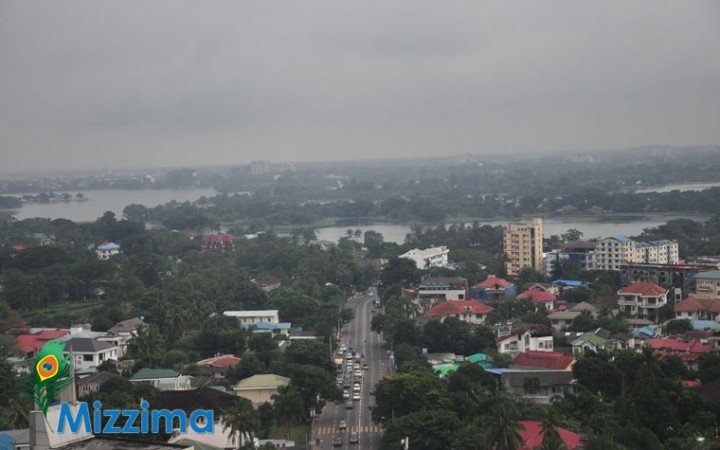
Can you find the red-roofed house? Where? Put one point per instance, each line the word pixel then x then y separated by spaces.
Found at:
pixel 688 350
pixel 694 308
pixel 642 299
pixel 542 297
pixel 532 435
pixel 493 290
pixel 31 343
pixel 218 242
pixel 466 310
pixel 543 360
pixel 530 337
pixel 219 365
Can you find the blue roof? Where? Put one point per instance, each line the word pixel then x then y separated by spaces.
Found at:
pixel 705 325
pixel 268 326
pixel 621 238
pixel 574 283
pixel 496 371
pixel 109 246
pixel 645 330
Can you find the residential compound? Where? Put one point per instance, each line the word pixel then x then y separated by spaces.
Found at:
pixel 429 257
pixel 613 252
pixel 523 246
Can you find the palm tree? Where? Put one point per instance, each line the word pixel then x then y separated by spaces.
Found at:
pixel 501 430
pixel 242 419
pixel 288 407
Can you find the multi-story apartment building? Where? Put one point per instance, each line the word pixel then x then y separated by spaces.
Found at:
pixel 522 243
pixel 704 304
pixel 614 252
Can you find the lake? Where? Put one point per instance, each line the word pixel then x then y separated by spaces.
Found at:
pixel 99 201
pixel 397 232
pixel 682 187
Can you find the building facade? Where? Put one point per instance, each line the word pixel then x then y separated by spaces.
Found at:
pixel 429 257
pixel 522 244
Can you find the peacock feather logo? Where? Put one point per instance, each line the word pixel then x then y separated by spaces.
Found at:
pixel 52 374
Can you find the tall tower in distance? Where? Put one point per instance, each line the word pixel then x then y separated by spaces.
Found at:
pixel 523 246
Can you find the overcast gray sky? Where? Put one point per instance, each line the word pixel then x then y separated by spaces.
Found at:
pixel 87 84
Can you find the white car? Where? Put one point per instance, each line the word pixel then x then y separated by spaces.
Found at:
pixel 346 395
pixel 342 425
pixel 356 396
pixel 358 373
pixel 356 388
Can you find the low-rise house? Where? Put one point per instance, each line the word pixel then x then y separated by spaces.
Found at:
pixel 585 307
pixel 107 250
pixel 205 398
pixel 254 317
pixel 562 319
pixel 642 299
pixel 92 383
pixel 219 365
pixel 471 311
pixel 429 257
pixel 543 361
pixel 539 386
pixel 539 298
pixel 162 379
pixel 268 327
pixel 434 290
pixel 121 333
pixel 594 341
pixel 267 282
pixel 532 337
pixel 88 353
pixel 30 343
pixel 218 242
pixel 694 308
pixel 493 290
pixel 545 287
pixel 687 350
pixel 260 388
pixel 532 436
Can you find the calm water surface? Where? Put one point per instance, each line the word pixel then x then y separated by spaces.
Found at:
pixel 100 201
pixel 396 232
pixel 682 187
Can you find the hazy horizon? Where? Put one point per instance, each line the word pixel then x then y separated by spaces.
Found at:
pixel 124 86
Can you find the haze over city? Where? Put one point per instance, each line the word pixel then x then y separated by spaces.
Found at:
pixel 89 84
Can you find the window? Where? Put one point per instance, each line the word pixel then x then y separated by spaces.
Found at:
pixel 88 358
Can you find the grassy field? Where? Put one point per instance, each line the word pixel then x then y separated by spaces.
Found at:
pixel 63 314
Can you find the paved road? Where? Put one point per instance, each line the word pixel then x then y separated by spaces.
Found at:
pixel 356 334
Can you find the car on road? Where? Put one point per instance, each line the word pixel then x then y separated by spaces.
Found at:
pixel 349 404
pixel 337 441
pixel 356 396
pixel 354 438
pixel 346 395
pixel 365 366
pixel 356 388
pixel 358 373
pixel 346 383
pixel 342 425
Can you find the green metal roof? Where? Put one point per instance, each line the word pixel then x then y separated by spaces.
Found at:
pixel 594 339
pixel 149 374
pixel 263 381
pixel 445 369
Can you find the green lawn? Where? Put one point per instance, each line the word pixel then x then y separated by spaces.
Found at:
pixel 298 433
